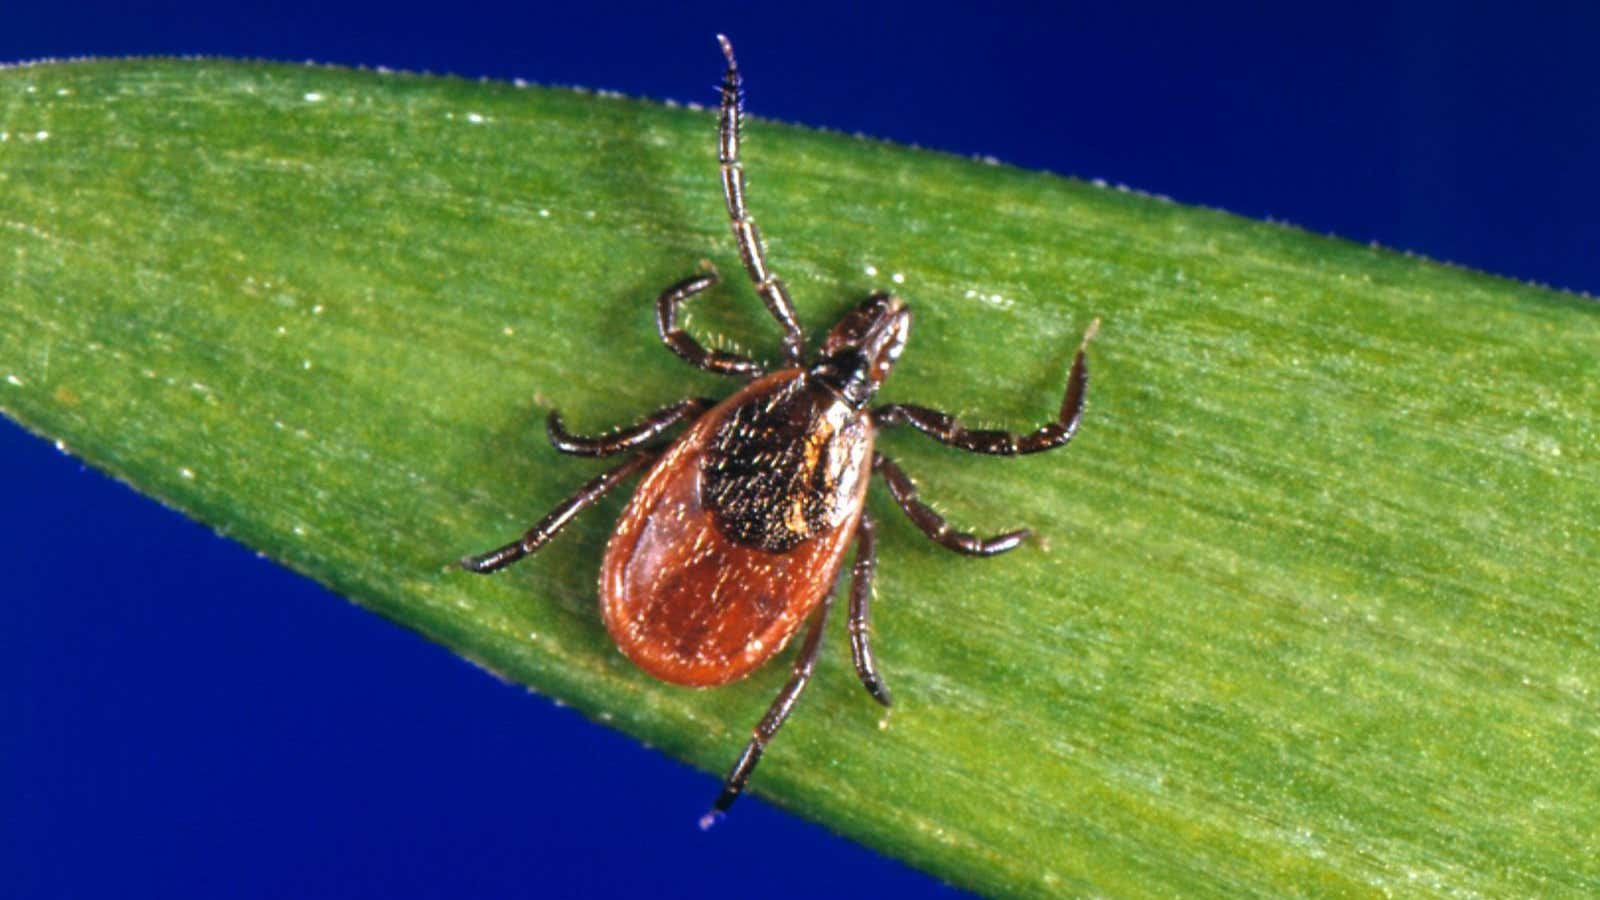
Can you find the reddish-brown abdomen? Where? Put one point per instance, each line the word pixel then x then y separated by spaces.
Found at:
pixel 689 605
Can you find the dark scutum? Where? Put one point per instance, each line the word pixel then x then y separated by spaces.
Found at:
pixel 777 470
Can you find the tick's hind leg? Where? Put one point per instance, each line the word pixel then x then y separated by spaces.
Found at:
pixel 680 341
pixel 866 566
pixel 768 285
pixel 781 706
pixel 944 428
pixel 548 527
pixel 624 439
pixel 932 524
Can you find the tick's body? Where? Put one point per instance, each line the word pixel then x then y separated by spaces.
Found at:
pixel 738 531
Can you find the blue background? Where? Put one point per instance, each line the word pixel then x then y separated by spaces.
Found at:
pixel 180 718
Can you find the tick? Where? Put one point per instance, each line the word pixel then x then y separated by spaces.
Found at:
pixel 737 533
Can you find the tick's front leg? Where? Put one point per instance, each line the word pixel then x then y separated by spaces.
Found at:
pixel 751 251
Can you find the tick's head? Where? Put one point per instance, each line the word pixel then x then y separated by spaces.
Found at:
pixel 859 352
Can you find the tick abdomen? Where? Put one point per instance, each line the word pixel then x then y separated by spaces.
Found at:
pixel 737 532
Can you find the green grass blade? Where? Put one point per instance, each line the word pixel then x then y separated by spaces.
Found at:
pixel 1315 610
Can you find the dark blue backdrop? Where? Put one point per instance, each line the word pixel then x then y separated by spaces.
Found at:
pixel 180 718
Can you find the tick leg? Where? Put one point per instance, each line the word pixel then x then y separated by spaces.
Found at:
pixel 866 565
pixel 932 524
pixel 768 285
pixel 781 706
pixel 624 439
pixel 680 341
pixel 548 527
pixel 944 428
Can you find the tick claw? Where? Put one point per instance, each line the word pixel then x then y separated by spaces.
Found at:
pixel 711 818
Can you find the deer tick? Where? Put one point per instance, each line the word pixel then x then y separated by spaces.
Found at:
pixel 738 531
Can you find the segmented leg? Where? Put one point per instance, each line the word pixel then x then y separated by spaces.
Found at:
pixel 944 428
pixel 624 439
pixel 932 524
pixel 866 566
pixel 681 343
pixel 781 706
pixel 768 285
pixel 540 534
